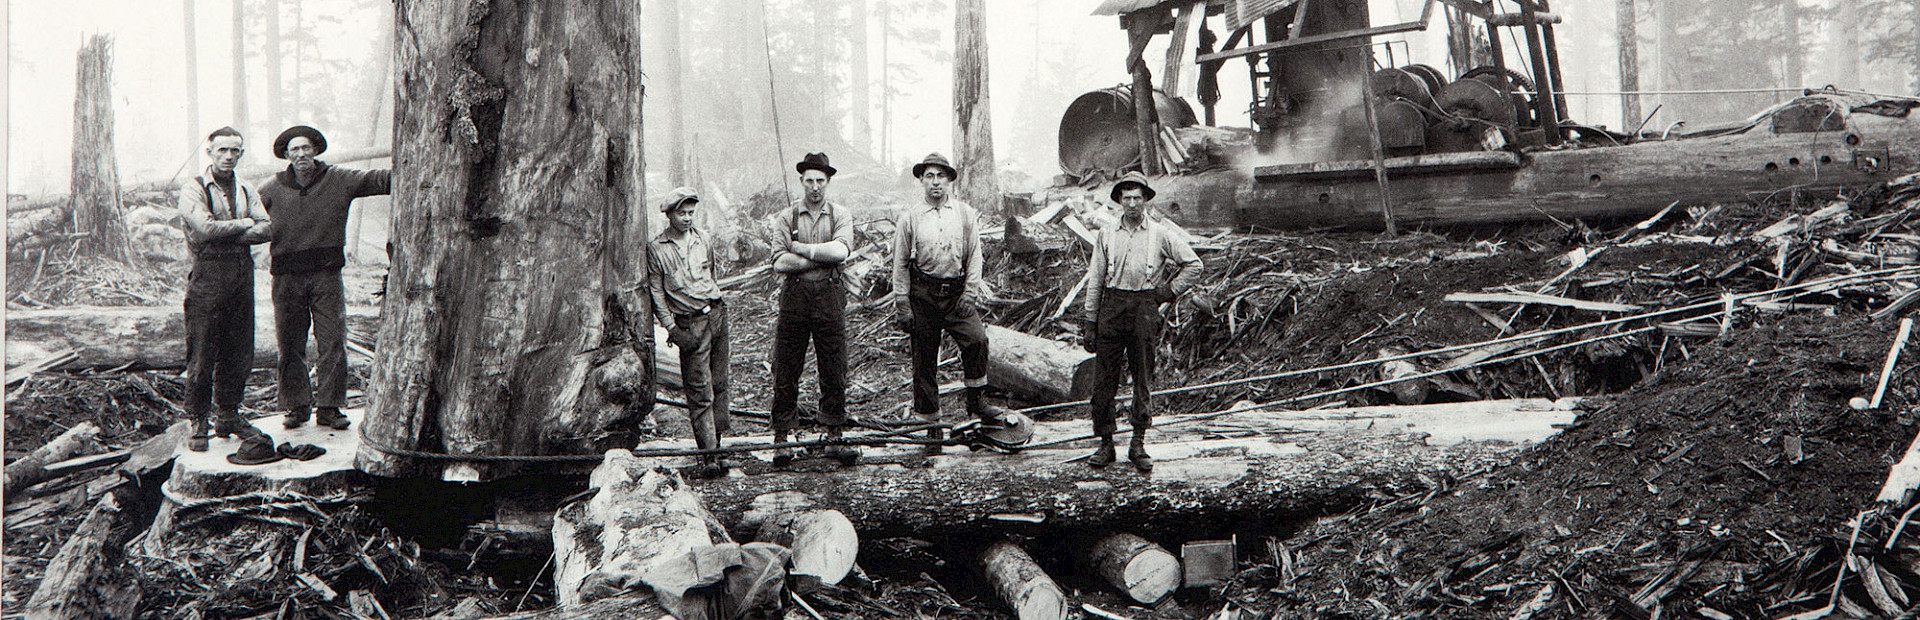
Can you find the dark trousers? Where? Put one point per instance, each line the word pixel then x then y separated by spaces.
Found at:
pixel 940 305
pixel 219 321
pixel 810 311
pixel 313 299
pixel 1125 334
pixel 703 372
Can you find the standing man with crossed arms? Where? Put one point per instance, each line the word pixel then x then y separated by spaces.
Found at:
pixel 1127 280
pixel 813 307
pixel 223 216
pixel 937 287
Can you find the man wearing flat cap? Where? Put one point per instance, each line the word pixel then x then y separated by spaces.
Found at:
pixel 1136 266
pixel 682 276
pixel 937 287
pixel 818 236
pixel 223 216
pixel 309 202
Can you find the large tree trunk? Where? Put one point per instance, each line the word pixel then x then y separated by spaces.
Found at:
pixel 238 39
pixel 276 96
pixel 1140 28
pixel 672 76
pixel 99 225
pixel 1629 38
pixel 1790 44
pixel 643 530
pixel 137 336
pixel 973 125
pixel 194 135
pixel 519 224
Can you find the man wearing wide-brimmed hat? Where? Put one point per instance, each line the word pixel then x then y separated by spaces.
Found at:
pixel 937 287
pixel 309 202
pixel 1136 266
pixel 817 235
pixel 683 275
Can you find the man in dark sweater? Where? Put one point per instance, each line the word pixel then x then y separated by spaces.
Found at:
pixel 309 202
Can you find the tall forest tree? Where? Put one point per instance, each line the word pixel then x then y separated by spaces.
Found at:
pixel 238 38
pixel 276 100
pixel 515 301
pixel 98 224
pixel 192 66
pixel 973 122
pixel 862 129
pixel 1626 24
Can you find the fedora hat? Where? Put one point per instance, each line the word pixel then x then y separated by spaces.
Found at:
pixel 815 161
pixel 1132 178
pixel 935 159
pixel 312 135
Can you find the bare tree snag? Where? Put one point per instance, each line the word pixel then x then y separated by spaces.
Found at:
pixel 519 229
pixel 1141 26
pixel 823 540
pixel 193 78
pixel 1021 584
pixel 97 219
pixel 973 126
pixel 32 468
pixel 67 590
pixel 672 78
pixel 857 82
pixel 1146 572
pixel 644 527
pixel 1038 369
pixel 1627 25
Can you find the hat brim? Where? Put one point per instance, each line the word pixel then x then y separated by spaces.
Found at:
pixel 312 135
pixel 1145 189
pixel 804 166
pixel 669 207
pixel 921 168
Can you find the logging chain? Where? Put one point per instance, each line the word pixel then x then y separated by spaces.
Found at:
pixel 901 436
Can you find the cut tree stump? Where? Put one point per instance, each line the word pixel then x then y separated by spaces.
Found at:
pixel 1020 583
pixel 32 468
pixel 1037 369
pixel 644 527
pixel 823 540
pixel 1234 467
pixel 138 336
pixel 1144 571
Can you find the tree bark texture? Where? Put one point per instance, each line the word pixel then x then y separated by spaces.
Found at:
pixel 644 529
pixel 1020 583
pixel 1629 38
pixel 519 235
pixel 97 217
pixel 1038 369
pixel 973 125
pixel 1146 122
pixel 32 468
pixel 1144 571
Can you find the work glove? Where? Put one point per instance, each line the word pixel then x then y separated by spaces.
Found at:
pixel 1086 334
pixel 903 318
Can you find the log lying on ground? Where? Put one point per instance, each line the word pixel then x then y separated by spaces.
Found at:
pixel 629 607
pixel 823 540
pixel 646 528
pixel 1144 571
pixel 1229 468
pixel 32 468
pixel 1020 583
pixel 1037 369
pixel 68 589
pixel 137 336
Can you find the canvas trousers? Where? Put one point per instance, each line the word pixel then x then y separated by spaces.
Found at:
pixel 940 305
pixel 219 322
pixel 1126 331
pixel 315 299
pixel 810 311
pixel 703 373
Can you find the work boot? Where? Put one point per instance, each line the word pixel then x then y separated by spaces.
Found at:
pixel 296 417
pixel 229 423
pixel 1137 451
pixel 847 455
pixel 938 436
pixel 331 416
pixel 782 457
pixel 709 466
pixel 1102 456
pixel 201 431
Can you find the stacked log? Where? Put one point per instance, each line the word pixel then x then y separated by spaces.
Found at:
pixel 1144 571
pixel 1021 584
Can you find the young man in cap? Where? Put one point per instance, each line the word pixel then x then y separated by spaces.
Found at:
pixel 813 303
pixel 1136 266
pixel 682 275
pixel 223 216
pixel 937 287
pixel 309 202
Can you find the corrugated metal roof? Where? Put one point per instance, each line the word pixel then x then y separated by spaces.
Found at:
pixel 1243 12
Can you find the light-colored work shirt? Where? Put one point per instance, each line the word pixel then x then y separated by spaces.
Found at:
pixel 831 223
pixel 221 222
pixel 941 241
pixel 681 271
pixel 1137 258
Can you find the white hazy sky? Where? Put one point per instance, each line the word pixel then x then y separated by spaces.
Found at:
pixel 154 137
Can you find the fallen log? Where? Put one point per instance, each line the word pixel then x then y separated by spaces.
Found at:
pixel 1144 571
pixel 1021 584
pixel 32 468
pixel 1037 369
pixel 137 336
pixel 67 589
pixel 636 607
pixel 823 541
pixel 1228 468
pixel 1538 298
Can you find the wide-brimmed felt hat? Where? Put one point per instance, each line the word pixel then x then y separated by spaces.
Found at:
pixel 815 161
pixel 312 135
pixel 1132 178
pixel 677 196
pixel 935 159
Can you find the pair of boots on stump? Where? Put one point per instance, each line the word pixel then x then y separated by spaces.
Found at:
pixel 1136 450
pixel 256 447
pixel 328 416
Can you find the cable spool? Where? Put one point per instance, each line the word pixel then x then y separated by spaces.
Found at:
pixel 1430 75
pixel 1522 102
pixel 1477 110
pixel 1390 84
